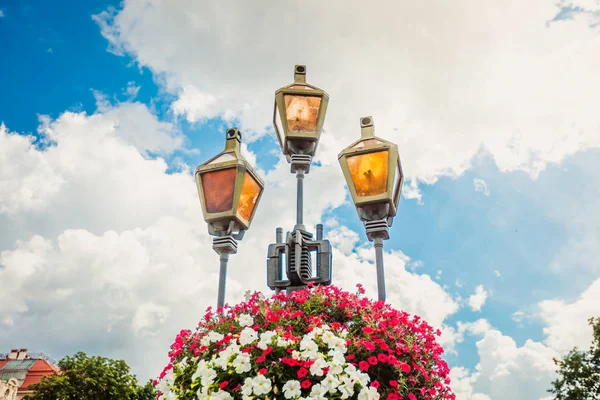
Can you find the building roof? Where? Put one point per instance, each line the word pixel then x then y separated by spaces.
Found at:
pixel 27 371
pixel 16 369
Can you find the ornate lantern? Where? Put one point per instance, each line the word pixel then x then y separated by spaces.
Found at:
pixel 373 173
pixel 229 188
pixel 229 191
pixel 374 176
pixel 298 115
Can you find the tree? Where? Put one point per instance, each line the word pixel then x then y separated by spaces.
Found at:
pixel 579 371
pixel 91 378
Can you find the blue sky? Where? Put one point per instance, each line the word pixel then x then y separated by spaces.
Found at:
pixel 487 201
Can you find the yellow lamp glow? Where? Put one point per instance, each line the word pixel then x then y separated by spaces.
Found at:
pixel 373 172
pixel 250 192
pixel 302 113
pixel 369 173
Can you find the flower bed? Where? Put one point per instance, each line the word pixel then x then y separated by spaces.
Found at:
pixel 316 343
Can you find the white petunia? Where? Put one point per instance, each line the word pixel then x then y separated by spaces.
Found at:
pixel 346 388
pixel 318 392
pixel 261 385
pixel 363 379
pixel 215 336
pixel 368 394
pixel 247 387
pixel 221 395
pixel 317 367
pixel 241 363
pixel 281 342
pixel 248 336
pixel 246 320
pixel 330 383
pixel 291 389
pixel 265 339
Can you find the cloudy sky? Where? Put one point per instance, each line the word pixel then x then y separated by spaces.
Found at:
pixel 106 108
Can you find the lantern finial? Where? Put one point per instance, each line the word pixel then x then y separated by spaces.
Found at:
pixel 367 129
pixel 300 74
pixel 233 139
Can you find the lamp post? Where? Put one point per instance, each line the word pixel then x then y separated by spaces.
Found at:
pixel 229 190
pixel 374 176
pixel 298 118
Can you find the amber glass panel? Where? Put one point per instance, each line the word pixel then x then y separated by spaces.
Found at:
pixel 218 190
pixel 302 113
pixel 249 196
pixel 369 173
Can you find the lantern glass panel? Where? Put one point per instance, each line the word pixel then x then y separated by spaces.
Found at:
pixel 222 158
pixel 302 112
pixel 218 189
pixel 303 87
pixel 279 125
pixel 368 142
pixel 369 173
pixel 397 183
pixel 250 192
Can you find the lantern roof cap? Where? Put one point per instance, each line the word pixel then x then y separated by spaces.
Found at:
pixel 367 138
pixel 300 84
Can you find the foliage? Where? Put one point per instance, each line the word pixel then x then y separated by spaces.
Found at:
pixel 579 371
pixel 91 378
pixel 316 343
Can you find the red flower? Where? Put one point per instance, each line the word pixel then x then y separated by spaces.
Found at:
pixel 268 350
pixel 405 367
pixel 223 385
pixel 382 357
pixel 363 365
pixel 393 396
pixel 260 359
pixel 373 360
pixel 350 357
pixel 367 330
pixel 394 384
pixel 302 372
pixel 412 396
pixel 306 384
pixel 375 384
pixel 261 371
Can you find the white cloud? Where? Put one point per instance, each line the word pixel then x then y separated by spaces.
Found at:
pixel 442 94
pixel 481 186
pixel 131 90
pixel 477 299
pixel 497 273
pixel 504 369
pixel 518 317
pixel 567 322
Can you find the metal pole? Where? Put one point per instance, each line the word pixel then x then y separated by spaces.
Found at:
pixel 279 239
pixel 222 277
pixel 378 242
pixel 299 197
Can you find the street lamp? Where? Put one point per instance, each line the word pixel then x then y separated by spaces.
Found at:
pixel 374 176
pixel 298 118
pixel 229 190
